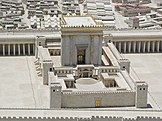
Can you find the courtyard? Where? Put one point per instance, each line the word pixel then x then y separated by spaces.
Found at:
pixel 148 67
pixel 20 86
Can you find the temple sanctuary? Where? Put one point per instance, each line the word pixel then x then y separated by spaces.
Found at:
pixel 88 75
pixel 83 72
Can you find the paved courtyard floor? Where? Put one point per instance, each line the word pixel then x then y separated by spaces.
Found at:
pixel 20 87
pixel 148 67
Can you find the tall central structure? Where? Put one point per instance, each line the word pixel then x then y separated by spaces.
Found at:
pixel 81 41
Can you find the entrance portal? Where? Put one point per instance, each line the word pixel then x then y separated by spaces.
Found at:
pixel 81 56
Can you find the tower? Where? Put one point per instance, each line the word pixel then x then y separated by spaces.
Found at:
pixel 141 94
pixel 47 66
pixel 124 64
pixel 55 95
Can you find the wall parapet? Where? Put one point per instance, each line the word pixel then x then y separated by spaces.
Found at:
pixel 91 118
pixel 98 92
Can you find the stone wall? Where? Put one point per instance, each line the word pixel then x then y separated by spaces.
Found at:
pixel 93 118
pixel 107 99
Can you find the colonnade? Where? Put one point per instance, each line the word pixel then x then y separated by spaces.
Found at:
pixel 17 49
pixel 138 46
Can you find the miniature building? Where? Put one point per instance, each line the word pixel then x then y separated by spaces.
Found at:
pixel 70 7
pixel 82 81
pixel 77 61
pixel 85 49
pixel 131 10
pixel 101 10
pixel 133 22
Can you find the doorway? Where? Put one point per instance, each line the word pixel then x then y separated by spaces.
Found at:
pixel 81 56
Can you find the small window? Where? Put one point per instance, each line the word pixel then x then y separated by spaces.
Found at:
pixel 50 69
pixel 140 88
pixel 53 90
pixel 109 41
pixel 124 67
pixel 143 88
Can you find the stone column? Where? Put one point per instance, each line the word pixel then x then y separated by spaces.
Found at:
pixel 157 46
pixel 119 46
pixel 28 49
pixel 14 49
pixel 18 49
pixel 148 46
pixel 8 49
pixel 125 47
pixel 23 49
pixel 144 46
pixel 33 49
pixel 153 46
pixel 3 49
pixel 134 46
pixel 139 46
pixel 129 46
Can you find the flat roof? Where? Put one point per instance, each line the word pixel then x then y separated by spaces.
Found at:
pixel 79 21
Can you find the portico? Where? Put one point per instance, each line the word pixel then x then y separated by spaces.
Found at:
pixel 7 49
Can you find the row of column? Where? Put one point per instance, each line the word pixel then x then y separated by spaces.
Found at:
pixel 138 46
pixel 18 49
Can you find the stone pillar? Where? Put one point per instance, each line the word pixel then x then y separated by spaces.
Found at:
pixel 144 46
pixel 157 46
pixel 14 49
pixel 153 46
pixel 134 46
pixel 23 49
pixel 91 50
pixel 33 49
pixel 28 49
pixel 18 49
pixel 119 46
pixel 3 49
pixel 125 47
pixel 148 46
pixel 139 46
pixel 8 49
pixel 129 46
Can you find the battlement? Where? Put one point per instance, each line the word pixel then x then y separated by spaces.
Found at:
pixel 92 118
pixel 82 26
pixel 55 84
pixel 99 92
pixel 131 29
pixel 141 83
pixel 123 59
pixel 108 69
pixel 106 117
pixel 146 118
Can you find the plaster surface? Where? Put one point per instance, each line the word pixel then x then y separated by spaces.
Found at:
pixel 20 86
pixel 148 67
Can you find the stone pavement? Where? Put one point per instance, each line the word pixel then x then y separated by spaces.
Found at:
pixel 20 87
pixel 148 67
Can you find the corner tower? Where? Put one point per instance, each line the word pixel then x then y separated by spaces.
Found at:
pixel 141 94
pixel 81 41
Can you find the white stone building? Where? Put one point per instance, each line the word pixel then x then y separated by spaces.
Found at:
pixel 83 80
